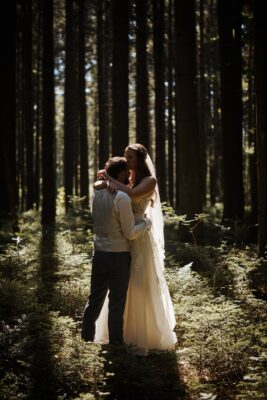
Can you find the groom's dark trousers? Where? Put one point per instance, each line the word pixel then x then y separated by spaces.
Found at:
pixel 110 271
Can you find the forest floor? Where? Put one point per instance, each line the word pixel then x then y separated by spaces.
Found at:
pixel 219 293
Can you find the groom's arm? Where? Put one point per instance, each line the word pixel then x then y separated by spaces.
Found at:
pixel 130 229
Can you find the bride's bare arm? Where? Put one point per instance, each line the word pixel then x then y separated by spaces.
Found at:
pixel 100 184
pixel 147 185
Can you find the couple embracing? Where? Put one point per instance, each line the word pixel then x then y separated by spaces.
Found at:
pixel 129 300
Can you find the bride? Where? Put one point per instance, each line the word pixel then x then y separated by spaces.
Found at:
pixel 149 319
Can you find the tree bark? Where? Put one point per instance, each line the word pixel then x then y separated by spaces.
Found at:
pixel 69 109
pixel 187 133
pixel 229 21
pixel 38 114
pixel 27 104
pixel 159 63
pixel 48 136
pixel 170 107
pixel 261 113
pixel 8 181
pixel 120 79
pixel 103 89
pixel 212 105
pixel 142 118
pixel 202 98
pixel 84 177
pixel 252 162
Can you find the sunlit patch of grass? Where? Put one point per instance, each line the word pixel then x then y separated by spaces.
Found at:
pixel 219 336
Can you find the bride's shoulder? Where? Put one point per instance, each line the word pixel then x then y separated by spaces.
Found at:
pixel 147 187
pixel 149 180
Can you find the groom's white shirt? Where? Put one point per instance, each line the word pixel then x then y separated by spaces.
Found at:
pixel 114 224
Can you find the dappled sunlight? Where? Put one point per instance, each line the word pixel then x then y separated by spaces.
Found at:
pixel 221 329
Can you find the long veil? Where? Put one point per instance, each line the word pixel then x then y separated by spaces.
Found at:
pixel 157 233
pixel 156 216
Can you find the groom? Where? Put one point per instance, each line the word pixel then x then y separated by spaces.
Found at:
pixel 114 227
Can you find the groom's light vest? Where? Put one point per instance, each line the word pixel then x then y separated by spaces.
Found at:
pixel 114 224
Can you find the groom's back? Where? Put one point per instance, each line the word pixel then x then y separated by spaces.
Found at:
pixel 106 219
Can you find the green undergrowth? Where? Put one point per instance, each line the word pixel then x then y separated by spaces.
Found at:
pixel 218 293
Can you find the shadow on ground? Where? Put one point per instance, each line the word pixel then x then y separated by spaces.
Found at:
pixel 131 377
pixel 43 376
pixel 258 280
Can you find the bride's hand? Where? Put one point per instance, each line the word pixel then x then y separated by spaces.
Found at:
pixel 101 174
pixel 111 187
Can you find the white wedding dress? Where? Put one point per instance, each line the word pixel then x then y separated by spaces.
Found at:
pixel 149 319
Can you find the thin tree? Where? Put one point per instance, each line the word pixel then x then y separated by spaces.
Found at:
pixel 102 82
pixel 170 106
pixel 142 117
pixel 229 22
pixel 48 133
pixel 27 104
pixel 120 78
pixel 8 111
pixel 202 96
pixel 69 109
pixel 20 121
pixel 84 177
pixel 159 64
pixel 38 102
pixel 253 176
pixel 261 112
pixel 187 133
pixel 212 103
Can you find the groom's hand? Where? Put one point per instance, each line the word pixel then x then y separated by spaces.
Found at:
pixel 148 222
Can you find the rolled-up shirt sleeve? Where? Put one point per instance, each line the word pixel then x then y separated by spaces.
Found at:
pixel 130 229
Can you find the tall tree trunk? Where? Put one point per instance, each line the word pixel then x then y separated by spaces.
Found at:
pixel 21 143
pixel 69 109
pixel 261 112
pixel 202 98
pixel 37 161
pixel 187 133
pixel 253 176
pixel 216 185
pixel 18 109
pixel 120 92
pixel 142 119
pixel 229 21
pixel 28 100
pixel 20 120
pixel 212 104
pixel 102 81
pixel 38 114
pixel 76 100
pixel 37 38
pixel 84 177
pixel 48 136
pixel 8 111
pixel 170 107
pixel 159 63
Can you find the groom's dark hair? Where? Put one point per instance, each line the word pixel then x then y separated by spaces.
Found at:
pixel 115 165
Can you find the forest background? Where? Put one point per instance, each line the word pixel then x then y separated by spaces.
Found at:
pixel 80 80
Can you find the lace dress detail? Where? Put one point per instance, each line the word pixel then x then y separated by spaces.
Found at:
pixel 140 206
pixel 149 318
pixel 139 209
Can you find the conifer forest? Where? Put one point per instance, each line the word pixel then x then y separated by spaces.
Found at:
pixel 82 79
